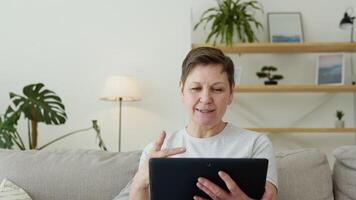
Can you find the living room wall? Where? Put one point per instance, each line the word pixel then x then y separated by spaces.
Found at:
pixel 74 46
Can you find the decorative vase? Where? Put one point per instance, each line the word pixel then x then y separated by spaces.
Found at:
pixel 340 124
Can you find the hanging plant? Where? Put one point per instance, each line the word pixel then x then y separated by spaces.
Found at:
pixel 231 18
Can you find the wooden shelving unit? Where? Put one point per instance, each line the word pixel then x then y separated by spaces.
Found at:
pixel 294 88
pixel 304 47
pixel 309 130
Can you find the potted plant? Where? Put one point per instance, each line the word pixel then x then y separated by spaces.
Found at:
pixel 231 18
pixel 266 72
pixel 339 122
pixel 37 105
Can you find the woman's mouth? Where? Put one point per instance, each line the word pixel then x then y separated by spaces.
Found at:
pixel 204 110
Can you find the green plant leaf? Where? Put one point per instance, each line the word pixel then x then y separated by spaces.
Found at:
pixel 206 19
pixel 277 77
pixel 265 68
pixel 272 68
pixel 261 74
pixel 40 105
pixel 5 135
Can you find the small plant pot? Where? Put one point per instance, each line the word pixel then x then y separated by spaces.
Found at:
pixel 340 124
pixel 271 82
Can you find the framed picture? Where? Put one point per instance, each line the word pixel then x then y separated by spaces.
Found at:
pixel 330 69
pixel 285 27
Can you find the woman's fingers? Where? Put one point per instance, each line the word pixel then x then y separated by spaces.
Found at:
pixel 198 198
pixel 159 141
pixel 211 189
pixel 157 150
pixel 270 191
pixel 230 183
pixel 169 152
pixel 207 191
pixel 216 192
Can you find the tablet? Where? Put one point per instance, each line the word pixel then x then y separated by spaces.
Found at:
pixel 176 178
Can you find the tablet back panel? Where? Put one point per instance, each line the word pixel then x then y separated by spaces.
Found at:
pixel 176 178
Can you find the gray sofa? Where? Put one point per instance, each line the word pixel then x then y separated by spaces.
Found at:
pixel 96 175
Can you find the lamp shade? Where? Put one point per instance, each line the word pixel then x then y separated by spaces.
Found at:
pixel 121 87
pixel 347 21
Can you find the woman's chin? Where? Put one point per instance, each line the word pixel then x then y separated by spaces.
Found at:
pixel 206 122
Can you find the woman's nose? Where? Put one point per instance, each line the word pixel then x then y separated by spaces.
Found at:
pixel 205 96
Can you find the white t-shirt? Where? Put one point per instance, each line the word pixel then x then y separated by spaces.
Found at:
pixel 232 142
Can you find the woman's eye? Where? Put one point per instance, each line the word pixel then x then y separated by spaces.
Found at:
pixel 195 88
pixel 218 89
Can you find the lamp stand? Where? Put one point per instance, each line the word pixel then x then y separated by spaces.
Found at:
pixel 352 33
pixel 119 142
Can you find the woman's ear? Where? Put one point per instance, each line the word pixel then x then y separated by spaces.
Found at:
pixel 181 87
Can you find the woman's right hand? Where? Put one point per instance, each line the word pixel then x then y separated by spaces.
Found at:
pixel 141 179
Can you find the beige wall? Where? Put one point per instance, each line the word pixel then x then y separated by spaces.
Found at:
pixel 73 46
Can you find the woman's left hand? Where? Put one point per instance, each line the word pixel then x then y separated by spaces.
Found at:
pixel 234 193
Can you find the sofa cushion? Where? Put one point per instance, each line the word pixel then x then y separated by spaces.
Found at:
pixel 303 174
pixel 344 173
pixel 69 174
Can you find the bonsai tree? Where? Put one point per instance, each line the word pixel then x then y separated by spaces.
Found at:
pixel 38 105
pixel 266 72
pixel 231 18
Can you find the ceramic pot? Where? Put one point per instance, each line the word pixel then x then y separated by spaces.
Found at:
pixel 340 124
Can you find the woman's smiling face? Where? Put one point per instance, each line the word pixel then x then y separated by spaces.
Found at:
pixel 206 94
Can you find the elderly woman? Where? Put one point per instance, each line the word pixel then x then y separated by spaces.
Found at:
pixel 206 87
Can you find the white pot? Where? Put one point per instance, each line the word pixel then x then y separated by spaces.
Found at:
pixel 340 124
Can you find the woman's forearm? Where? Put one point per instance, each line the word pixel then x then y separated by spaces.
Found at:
pixel 139 191
pixel 142 194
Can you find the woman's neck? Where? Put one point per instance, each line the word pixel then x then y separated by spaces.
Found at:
pixel 199 131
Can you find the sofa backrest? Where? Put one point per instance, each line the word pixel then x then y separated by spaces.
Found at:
pixel 69 174
pixel 344 173
pixel 304 174
pixel 92 175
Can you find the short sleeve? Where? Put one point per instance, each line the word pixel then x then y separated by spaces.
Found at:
pixel 263 149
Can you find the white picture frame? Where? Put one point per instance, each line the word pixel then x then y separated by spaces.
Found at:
pixel 285 27
pixel 330 69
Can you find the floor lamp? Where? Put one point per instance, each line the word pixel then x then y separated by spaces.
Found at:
pixel 121 88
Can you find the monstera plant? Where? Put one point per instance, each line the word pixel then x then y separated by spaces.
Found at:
pixel 37 105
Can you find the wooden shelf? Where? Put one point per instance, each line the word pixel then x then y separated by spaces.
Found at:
pixel 303 47
pixel 315 130
pixel 294 88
